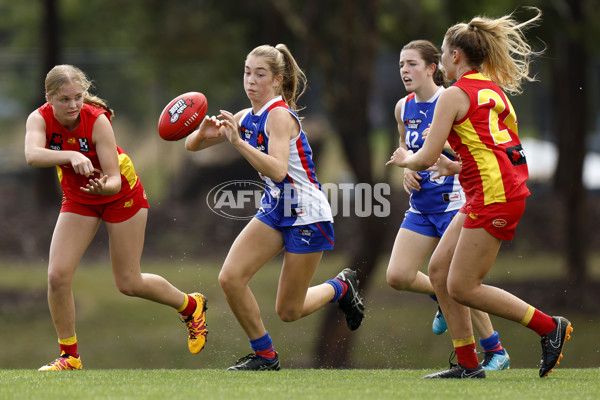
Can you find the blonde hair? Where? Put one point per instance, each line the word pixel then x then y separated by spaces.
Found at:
pixel 282 63
pixel 65 74
pixel 496 48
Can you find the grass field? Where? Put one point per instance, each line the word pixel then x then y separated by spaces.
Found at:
pixel 147 343
pixel 294 384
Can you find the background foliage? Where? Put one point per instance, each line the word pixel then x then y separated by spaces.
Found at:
pixel 142 54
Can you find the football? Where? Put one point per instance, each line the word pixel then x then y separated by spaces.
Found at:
pixel 182 116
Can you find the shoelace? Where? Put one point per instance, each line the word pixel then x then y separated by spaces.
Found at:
pixel 192 330
pixel 246 358
pixel 487 357
pixel 452 357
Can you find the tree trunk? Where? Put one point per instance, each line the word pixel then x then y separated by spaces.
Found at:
pixel 571 87
pixel 45 181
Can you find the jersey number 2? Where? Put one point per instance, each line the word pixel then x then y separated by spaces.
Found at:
pixel 500 136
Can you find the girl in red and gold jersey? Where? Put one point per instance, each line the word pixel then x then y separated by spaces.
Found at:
pixel 73 132
pixel 486 57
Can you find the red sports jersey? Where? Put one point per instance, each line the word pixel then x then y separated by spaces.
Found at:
pixel 494 168
pixel 59 138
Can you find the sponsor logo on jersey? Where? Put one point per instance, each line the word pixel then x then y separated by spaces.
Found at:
pixel 84 146
pixel 413 123
pixel 71 140
pixel 449 197
pixel 56 142
pixel 260 141
pixel 516 154
pixel 247 133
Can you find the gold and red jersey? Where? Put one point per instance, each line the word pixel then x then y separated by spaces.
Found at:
pixel 494 168
pixel 80 139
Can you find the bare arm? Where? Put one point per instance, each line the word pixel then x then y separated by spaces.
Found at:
pixel 37 155
pixel 452 105
pixel 281 128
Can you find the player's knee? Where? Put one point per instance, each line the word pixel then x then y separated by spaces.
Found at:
pixel 398 280
pixel 437 277
pixel 127 289
pixel 58 280
pixel 458 293
pixel 288 314
pixel 127 286
pixel 227 281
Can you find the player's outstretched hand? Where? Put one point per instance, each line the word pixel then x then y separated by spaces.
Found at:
pixel 445 167
pixel 398 157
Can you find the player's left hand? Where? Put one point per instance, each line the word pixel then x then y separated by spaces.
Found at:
pixel 232 129
pixel 95 185
pixel 445 167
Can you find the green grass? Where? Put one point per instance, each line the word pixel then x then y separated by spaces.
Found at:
pixel 292 384
pixel 116 331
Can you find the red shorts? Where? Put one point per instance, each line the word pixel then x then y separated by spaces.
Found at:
pixel 499 219
pixel 116 211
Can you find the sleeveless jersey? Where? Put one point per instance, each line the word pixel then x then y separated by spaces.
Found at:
pixel 436 195
pixel 80 140
pixel 298 198
pixel 494 168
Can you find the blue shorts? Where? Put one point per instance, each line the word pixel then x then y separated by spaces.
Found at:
pixel 433 225
pixel 304 238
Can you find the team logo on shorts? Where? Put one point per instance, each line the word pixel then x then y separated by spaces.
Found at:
pixel 473 215
pixel 306 235
pixel 499 223
pixel 128 203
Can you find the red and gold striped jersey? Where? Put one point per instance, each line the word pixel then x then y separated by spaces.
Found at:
pixel 494 167
pixel 80 139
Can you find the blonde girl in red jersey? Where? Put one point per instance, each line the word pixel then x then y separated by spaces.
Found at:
pixel 485 56
pixel 429 213
pixel 73 132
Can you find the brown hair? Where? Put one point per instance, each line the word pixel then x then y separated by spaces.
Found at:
pixel 65 74
pixel 496 48
pixel 282 63
pixel 430 54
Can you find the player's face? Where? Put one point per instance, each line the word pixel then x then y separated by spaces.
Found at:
pixel 66 104
pixel 413 70
pixel 259 83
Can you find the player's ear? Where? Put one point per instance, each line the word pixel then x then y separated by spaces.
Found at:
pixel 277 82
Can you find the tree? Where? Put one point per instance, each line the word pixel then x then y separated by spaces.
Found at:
pixel 45 181
pixel 570 22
